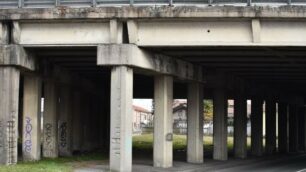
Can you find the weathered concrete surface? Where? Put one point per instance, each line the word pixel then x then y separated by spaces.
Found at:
pixel 131 55
pixel 195 123
pixel 257 127
pixel 155 12
pixel 58 33
pixel 77 121
pixel 121 119
pixel 163 119
pixel 51 102
pixel 283 127
pixel 9 88
pixel 31 142
pixel 220 124
pixel 4 33
pixel 16 55
pixel 270 126
pixel 293 128
pixel 240 126
pixel 65 121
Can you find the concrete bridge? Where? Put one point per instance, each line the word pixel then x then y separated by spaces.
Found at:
pixel 88 63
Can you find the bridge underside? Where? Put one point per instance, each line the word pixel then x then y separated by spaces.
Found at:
pixel 89 67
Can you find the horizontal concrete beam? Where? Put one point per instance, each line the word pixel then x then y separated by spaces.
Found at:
pixel 155 12
pixel 131 55
pixel 15 55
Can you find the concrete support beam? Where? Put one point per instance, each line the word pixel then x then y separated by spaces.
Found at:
pixel 51 102
pixel 257 127
pixel 15 55
pixel 31 142
pixel 9 91
pixel 163 119
pixel 131 55
pixel 270 126
pixel 195 123
pixel 121 119
pixel 240 127
pixel 283 127
pixel 65 122
pixel 220 124
pixel 293 128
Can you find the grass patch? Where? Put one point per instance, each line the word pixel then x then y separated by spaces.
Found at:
pixel 145 142
pixel 62 164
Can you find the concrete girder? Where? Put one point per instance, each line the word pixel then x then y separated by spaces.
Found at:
pixel 133 56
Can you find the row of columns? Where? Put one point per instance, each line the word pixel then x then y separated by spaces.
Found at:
pixel 121 111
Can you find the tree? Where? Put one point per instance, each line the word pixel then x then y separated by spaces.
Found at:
pixel 208 110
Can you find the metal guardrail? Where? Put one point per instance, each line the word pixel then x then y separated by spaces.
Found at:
pixel 94 3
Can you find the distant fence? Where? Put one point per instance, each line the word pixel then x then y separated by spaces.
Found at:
pixel 94 3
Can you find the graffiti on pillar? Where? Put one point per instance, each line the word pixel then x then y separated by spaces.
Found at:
pixel 12 142
pixel 48 133
pixel 116 141
pixel 1 138
pixel 28 134
pixel 63 134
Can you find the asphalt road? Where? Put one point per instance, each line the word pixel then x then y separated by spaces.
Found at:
pixel 274 163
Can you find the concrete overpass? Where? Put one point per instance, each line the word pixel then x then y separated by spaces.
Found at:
pixel 88 63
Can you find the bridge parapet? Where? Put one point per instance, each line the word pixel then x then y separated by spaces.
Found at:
pixel 94 3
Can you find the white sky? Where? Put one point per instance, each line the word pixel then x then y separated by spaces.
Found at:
pixel 145 103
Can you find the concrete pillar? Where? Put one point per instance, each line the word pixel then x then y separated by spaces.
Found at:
pixel 240 127
pixel 163 121
pixel 257 127
pixel 283 127
pixel 220 124
pixel 31 142
pixel 9 91
pixel 65 122
pixel 195 123
pixel 293 128
pixel 270 126
pixel 301 128
pixel 76 122
pixel 121 119
pixel 50 142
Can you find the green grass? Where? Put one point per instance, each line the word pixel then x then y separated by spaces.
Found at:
pixel 145 142
pixel 52 165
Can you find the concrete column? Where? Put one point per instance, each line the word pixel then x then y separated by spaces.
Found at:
pixel 282 127
pixel 77 122
pixel 240 127
pixel 163 119
pixel 270 126
pixel 50 142
pixel 65 122
pixel 293 128
pixel 220 124
pixel 301 128
pixel 31 142
pixel 9 91
pixel 257 127
pixel 121 119
pixel 195 123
